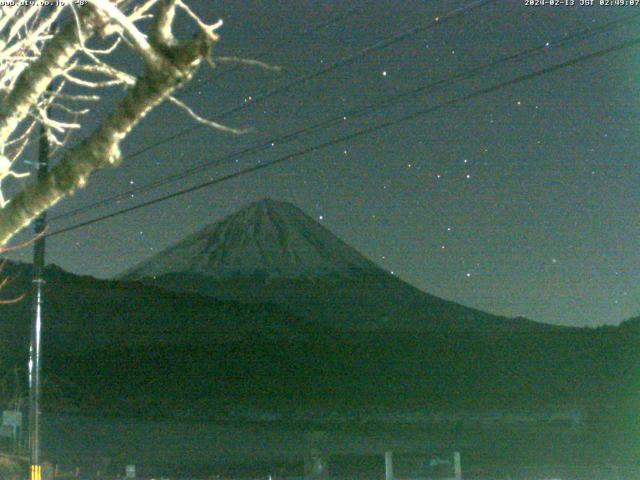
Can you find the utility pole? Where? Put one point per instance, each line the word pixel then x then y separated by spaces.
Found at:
pixel 35 349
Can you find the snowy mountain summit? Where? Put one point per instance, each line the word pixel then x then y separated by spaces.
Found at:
pixel 271 252
pixel 266 239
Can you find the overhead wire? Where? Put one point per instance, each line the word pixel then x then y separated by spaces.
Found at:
pixel 375 128
pixel 357 112
pixel 302 79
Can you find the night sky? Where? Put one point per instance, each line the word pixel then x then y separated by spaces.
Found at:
pixel 522 202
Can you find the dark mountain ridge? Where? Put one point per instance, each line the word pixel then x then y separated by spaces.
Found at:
pixel 85 313
pixel 271 251
pixel 337 332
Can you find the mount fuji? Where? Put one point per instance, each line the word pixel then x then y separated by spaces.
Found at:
pixel 267 239
pixel 272 252
pixel 269 308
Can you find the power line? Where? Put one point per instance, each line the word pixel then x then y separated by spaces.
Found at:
pixel 300 80
pixel 357 112
pixel 359 133
pixel 263 52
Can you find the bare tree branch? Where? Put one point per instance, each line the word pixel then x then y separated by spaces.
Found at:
pixel 248 61
pixel 34 80
pixel 137 39
pixel 102 148
pixel 205 121
pixel 33 56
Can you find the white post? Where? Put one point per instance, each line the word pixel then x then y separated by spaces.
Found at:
pixel 388 465
pixel 457 466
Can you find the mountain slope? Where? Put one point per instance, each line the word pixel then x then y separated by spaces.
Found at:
pixel 272 252
pixel 84 313
pixel 265 239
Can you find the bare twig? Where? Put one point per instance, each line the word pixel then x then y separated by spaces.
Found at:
pixel 73 59
pixel 248 61
pixel 205 121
